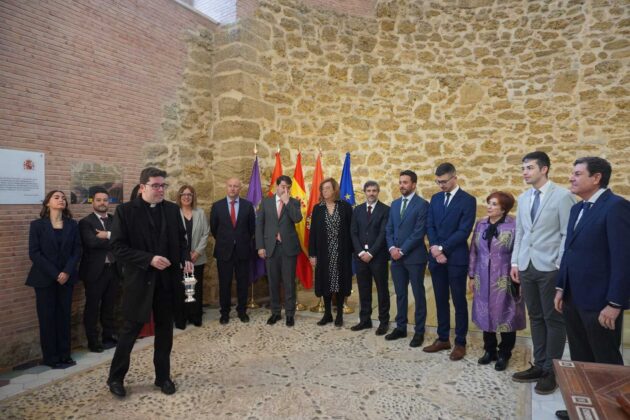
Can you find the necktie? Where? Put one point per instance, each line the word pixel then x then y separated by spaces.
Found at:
pixel 233 212
pixel 447 198
pixel 535 204
pixel 404 207
pixel 586 206
pixel 280 205
pixel 369 213
pixel 109 258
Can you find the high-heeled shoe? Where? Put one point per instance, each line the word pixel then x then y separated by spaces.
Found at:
pixel 325 319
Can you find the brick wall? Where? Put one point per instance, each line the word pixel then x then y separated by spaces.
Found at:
pixel 82 81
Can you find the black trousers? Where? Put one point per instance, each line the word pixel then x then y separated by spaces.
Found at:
pixel 163 318
pixel 100 298
pixel 365 273
pixel 54 309
pixel 588 340
pixel 508 340
pixel 229 269
pixel 328 304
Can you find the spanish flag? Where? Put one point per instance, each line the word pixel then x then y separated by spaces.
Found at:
pixel 304 271
pixel 314 198
pixel 277 171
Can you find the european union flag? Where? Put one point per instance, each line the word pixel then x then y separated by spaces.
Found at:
pixel 346 191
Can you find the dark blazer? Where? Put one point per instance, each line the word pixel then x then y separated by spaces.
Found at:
pixel 595 267
pixel 94 249
pixel 371 233
pixel 268 225
pixel 135 243
pixel 48 258
pixel 451 226
pixel 318 247
pixel 407 233
pixel 229 239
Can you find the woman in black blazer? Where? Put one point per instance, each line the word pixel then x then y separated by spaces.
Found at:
pixel 54 248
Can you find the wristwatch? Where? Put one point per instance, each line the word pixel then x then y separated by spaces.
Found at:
pixel 440 248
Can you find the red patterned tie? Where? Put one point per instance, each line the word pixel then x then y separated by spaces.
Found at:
pixel 233 213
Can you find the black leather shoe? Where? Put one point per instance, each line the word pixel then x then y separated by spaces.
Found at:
pixel 417 340
pixel 109 344
pixel 224 319
pixel 273 319
pixel 325 319
pixel 167 386
pixel 396 334
pixel 382 328
pixel 339 319
pixel 197 323
pixel 363 325
pixel 290 321
pixel 113 340
pixel 180 325
pixel 117 388
pixel 501 364
pixel 68 361
pixel 243 317
pixel 487 358
pixel 562 414
pixel 97 348
pixel 54 365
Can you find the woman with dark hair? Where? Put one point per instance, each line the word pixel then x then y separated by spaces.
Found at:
pixel 197 231
pixel 134 192
pixel 54 248
pixel 330 249
pixel 497 304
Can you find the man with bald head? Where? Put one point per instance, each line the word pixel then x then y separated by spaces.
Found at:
pixel 233 224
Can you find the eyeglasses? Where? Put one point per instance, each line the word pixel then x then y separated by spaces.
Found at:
pixel 156 187
pixel 185 195
pixel 443 182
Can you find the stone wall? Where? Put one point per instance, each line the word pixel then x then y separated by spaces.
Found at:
pixel 475 82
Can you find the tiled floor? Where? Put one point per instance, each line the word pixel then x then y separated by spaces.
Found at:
pixel 542 407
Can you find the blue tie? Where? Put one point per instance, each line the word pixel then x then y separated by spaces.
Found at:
pixel 535 204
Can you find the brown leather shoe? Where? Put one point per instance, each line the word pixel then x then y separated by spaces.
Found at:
pixel 437 346
pixel 458 352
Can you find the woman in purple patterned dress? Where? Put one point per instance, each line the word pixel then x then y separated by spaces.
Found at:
pixel 497 305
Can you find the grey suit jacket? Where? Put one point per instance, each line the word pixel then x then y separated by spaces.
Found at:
pixel 268 225
pixel 542 241
pixel 200 232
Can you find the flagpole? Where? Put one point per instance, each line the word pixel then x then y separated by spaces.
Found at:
pixel 251 304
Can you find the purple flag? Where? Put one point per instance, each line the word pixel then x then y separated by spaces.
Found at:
pixel 254 194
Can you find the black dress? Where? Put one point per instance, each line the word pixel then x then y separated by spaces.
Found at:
pixel 331 243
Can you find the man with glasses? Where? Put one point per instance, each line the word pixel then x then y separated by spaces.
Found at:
pixel 451 218
pixel 149 239
pixel 233 225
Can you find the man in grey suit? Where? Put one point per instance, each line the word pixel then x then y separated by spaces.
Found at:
pixel 541 228
pixel 277 242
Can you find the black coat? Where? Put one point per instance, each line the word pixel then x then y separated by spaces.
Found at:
pixel 134 244
pixel 371 233
pixel 228 238
pixel 318 247
pixel 94 249
pixel 48 258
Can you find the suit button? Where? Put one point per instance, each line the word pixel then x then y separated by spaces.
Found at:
pixel 149 283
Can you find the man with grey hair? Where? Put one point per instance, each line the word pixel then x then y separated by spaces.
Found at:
pixel 367 230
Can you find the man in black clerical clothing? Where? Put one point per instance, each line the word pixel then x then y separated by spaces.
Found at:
pixel 370 253
pixel 149 239
pixel 233 225
pixel 99 274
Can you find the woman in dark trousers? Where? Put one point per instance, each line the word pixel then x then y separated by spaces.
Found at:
pixel 54 248
pixel 330 249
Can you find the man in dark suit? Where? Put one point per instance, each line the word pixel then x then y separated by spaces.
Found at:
pixel 451 218
pixel 233 225
pixel 99 274
pixel 149 239
pixel 593 286
pixel 404 232
pixel 370 252
pixel 278 243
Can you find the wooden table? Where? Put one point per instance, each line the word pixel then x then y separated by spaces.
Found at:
pixel 590 390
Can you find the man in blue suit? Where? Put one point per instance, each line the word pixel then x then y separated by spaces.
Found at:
pixel 593 284
pixel 405 230
pixel 451 218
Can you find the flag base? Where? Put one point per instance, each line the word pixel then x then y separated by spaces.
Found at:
pixel 300 307
pixel 319 308
pixel 251 304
